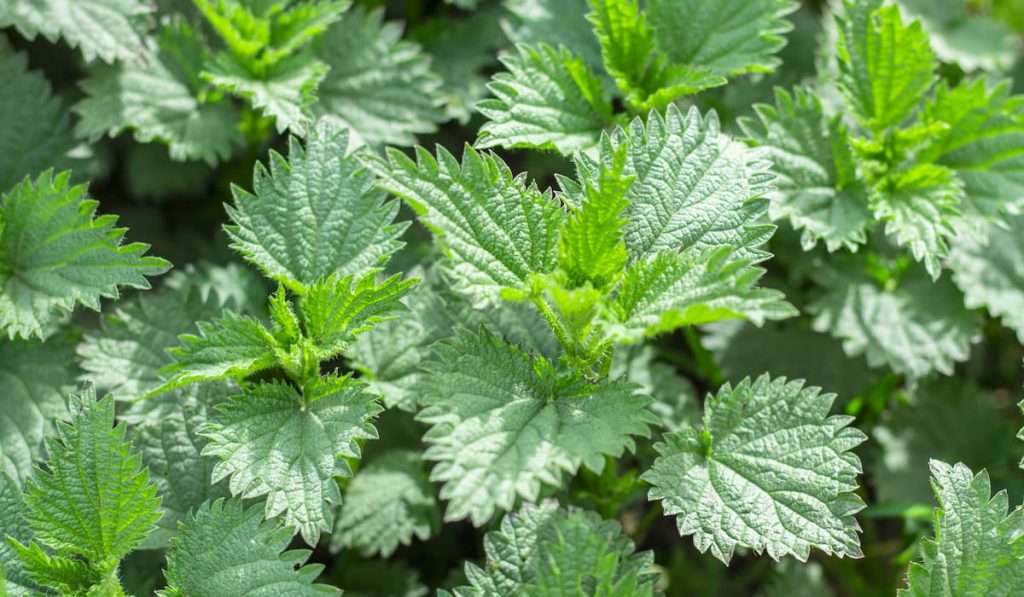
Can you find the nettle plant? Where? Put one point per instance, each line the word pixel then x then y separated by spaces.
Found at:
pixel 421 370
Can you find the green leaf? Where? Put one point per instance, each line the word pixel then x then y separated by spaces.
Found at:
pixel 315 215
pixel 675 290
pixel 554 23
pixel 962 34
pixel 124 355
pixel 504 423
pixel 977 549
pixel 106 29
pixel 13 577
pixel 945 418
pixel 916 327
pixel 547 550
pixel 66 575
pixel 171 449
pixel 816 187
pixel 548 99
pixel 227 549
pixel 378 85
pixel 34 126
pixel 727 37
pixel 991 274
pixel 288 445
pixel 233 346
pixel 161 99
pixel 885 67
pixel 389 502
pixel 335 310
pixel 55 253
pixel 94 499
pixel 284 93
pixel 35 377
pixel 919 207
pixel 982 129
pixel 495 229
pixel 769 470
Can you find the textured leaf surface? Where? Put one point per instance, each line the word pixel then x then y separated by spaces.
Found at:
pixel 495 229
pixel 94 499
pixel 106 29
pixel 546 550
pixel 273 441
pixel 885 66
pixel 816 187
pixel 769 470
pixel 14 525
pixel 389 502
pixel 918 327
pixel 991 275
pixel 728 37
pixel 977 549
pixel 315 215
pixel 123 357
pixel 503 424
pixel 378 85
pixel 547 99
pixel 55 253
pixel 34 125
pixel 227 549
pixel 555 23
pixel 34 379
pixel 161 99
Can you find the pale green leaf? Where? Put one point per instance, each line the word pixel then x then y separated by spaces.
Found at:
pixel 816 186
pixel 56 253
pixel 554 23
pixel 276 441
pixel 12 520
pixel 378 85
pixel 161 99
pixel 226 549
pixel 504 423
pixel 885 66
pixel 388 503
pixel 547 99
pixel 106 29
pixel 965 34
pixel 314 215
pixel 547 550
pixel 496 230
pixel 977 549
pixel 769 470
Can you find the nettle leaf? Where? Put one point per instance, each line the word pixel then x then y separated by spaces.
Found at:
pixel 34 126
pixel 981 133
pixel 379 85
pixel 124 356
pixel 161 99
pixel 991 274
pixel 389 502
pixel 503 423
pixel 34 377
pixel 916 327
pixel 946 418
pixel 314 215
pixel 554 23
pixel 13 577
pixel 973 39
pixel 55 253
pixel 285 92
pixel 885 67
pixel 547 550
pixel 769 470
pixel 548 99
pixel 495 229
pixel 233 346
pixel 288 445
pixel 816 184
pixel 729 37
pixel 335 310
pixel 171 449
pixel 106 29
pixel 227 549
pixel 977 549
pixel 94 499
